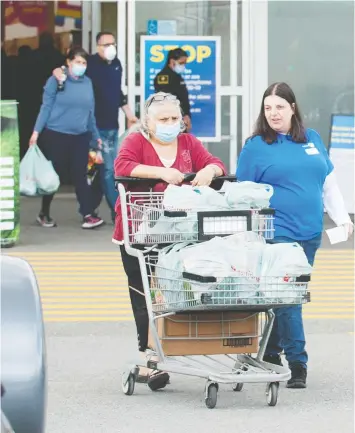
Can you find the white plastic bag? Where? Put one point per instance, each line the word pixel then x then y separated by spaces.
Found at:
pixel 236 268
pixel 281 264
pixel 28 185
pixel 166 229
pixel 187 197
pixel 168 271
pixel 37 175
pixel 47 179
pixel 248 195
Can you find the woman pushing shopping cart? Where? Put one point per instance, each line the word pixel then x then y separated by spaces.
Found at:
pixel 165 298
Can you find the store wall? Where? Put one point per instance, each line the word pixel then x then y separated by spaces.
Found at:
pixel 311 47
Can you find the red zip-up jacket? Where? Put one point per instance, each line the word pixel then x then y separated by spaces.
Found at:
pixel 135 150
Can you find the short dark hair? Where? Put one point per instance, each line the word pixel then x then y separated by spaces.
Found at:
pixel 176 54
pixel 262 128
pixel 77 52
pixel 100 34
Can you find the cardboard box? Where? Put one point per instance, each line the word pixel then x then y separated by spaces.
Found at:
pixel 206 333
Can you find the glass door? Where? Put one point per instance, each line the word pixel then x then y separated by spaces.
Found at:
pixel 228 19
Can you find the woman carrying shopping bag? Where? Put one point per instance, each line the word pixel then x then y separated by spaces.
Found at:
pixel 64 127
pixel 294 161
pixel 158 150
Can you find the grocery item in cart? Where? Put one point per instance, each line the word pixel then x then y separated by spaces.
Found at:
pixel 233 267
pixel 248 195
pixel 168 276
pixel 155 222
pixel 284 262
pixel 187 197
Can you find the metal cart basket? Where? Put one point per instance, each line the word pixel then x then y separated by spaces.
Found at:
pixel 233 307
pixel 147 222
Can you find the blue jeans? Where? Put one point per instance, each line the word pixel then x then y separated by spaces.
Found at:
pixel 109 139
pixel 287 333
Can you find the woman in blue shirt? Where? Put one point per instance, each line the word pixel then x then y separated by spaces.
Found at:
pixel 64 127
pixel 282 153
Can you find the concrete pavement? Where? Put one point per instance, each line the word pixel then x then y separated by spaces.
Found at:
pixel 91 338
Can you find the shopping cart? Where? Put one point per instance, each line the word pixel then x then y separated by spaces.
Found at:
pixel 180 305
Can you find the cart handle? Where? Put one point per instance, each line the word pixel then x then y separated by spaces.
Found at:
pixel 187 178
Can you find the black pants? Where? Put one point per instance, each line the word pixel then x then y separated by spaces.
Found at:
pixel 68 152
pixel 139 306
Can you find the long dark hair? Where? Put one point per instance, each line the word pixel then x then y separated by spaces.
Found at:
pixel 262 127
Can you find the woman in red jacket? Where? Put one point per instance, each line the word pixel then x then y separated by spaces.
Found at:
pixel 158 151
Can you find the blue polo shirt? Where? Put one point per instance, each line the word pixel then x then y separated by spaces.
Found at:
pixel 107 80
pixel 297 172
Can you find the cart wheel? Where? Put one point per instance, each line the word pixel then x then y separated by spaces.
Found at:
pixel 272 392
pixel 238 387
pixel 211 398
pixel 128 384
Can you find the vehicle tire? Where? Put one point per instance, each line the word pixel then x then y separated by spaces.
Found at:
pixel 272 393
pixel 212 393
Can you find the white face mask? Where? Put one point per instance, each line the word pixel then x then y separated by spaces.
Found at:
pixel 110 52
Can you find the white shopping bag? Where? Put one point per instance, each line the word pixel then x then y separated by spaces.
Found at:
pixel 37 175
pixel 281 264
pixel 28 185
pixel 248 195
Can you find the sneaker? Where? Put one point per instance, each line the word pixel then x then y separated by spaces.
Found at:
pixel 273 359
pixel 46 221
pixel 298 378
pixel 90 222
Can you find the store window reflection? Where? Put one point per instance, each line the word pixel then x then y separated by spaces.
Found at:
pixel 316 57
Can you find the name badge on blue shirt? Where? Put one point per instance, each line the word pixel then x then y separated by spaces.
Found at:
pixel 312 151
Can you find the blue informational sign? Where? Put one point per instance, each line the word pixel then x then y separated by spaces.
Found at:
pixel 342 133
pixel 202 78
pixel 161 27
pixel 342 155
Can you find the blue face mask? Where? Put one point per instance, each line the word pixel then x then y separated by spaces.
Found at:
pixel 78 70
pixel 167 133
pixel 179 69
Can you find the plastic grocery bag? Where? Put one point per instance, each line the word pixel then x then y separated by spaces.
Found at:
pixel 248 195
pixel 28 185
pixel 281 264
pixel 47 179
pixel 235 267
pixel 187 197
pixel 168 271
pixel 157 228
pixel 37 175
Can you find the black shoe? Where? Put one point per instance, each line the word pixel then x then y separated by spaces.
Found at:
pixel 158 380
pixel 298 378
pixel 46 221
pixel 273 359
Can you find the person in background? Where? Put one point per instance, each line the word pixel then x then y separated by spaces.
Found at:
pixel 294 160
pixel 158 150
pixel 169 80
pixel 105 71
pixel 64 127
pixel 46 58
